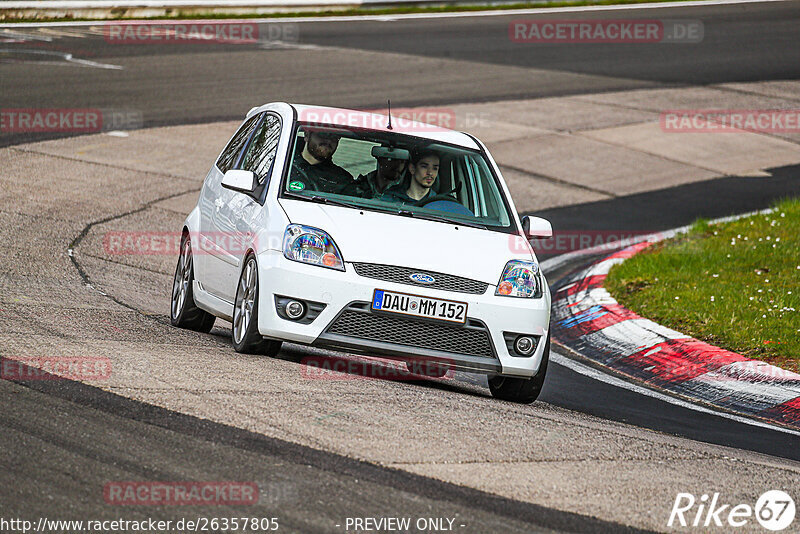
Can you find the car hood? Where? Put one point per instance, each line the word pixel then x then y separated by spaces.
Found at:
pixel 374 237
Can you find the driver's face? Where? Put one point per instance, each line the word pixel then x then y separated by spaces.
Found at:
pixel 425 171
pixel 392 169
pixel 322 145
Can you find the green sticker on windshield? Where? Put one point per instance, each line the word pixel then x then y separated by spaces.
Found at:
pixel 297 186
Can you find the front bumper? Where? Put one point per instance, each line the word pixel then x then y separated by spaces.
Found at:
pixel 346 322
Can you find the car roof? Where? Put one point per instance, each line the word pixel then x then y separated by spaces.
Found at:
pixel 379 122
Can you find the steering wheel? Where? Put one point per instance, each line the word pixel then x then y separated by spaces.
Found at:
pixel 435 198
pixel 440 196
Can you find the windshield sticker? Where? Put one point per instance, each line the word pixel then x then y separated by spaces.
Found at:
pixel 297 186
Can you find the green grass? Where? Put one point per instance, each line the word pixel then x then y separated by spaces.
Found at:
pixel 177 13
pixel 735 285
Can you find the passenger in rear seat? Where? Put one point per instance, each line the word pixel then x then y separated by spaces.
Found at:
pixel 391 166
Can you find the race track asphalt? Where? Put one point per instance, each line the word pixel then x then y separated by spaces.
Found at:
pixel 66 440
pixel 417 62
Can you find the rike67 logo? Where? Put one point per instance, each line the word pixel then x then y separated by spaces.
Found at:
pixel 774 510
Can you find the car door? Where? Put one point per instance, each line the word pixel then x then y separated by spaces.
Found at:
pixel 234 221
pixel 208 257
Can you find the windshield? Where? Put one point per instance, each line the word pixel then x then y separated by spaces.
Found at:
pixel 395 173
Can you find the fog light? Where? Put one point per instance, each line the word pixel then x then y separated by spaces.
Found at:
pixel 524 345
pixel 294 310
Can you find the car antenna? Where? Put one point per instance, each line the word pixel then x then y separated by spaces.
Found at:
pixel 389 104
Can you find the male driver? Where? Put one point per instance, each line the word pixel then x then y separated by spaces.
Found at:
pixel 391 166
pixel 313 169
pixel 424 167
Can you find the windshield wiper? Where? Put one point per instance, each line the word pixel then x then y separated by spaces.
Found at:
pixel 332 202
pixel 429 217
pixel 321 200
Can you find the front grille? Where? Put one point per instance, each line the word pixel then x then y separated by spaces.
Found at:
pixel 357 322
pixel 400 275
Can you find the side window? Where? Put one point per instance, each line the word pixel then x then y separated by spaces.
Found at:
pixel 260 155
pixel 229 156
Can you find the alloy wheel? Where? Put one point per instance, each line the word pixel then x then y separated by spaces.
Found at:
pixel 245 301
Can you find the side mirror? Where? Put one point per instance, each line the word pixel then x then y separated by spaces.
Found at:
pixel 536 227
pixel 239 180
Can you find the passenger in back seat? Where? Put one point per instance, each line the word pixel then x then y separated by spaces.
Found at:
pixel 391 165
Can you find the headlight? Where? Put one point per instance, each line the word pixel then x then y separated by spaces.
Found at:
pixel 520 279
pixel 311 245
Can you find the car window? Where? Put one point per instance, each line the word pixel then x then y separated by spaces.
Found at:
pixel 260 154
pixel 230 155
pixel 465 189
pixel 354 155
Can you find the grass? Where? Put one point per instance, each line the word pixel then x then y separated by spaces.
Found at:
pixel 735 285
pixel 177 13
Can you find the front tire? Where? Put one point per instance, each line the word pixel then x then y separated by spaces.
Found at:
pixel 183 311
pixel 246 338
pixel 521 390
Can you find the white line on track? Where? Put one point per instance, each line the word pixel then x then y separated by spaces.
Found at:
pixel 611 380
pixel 24 36
pixel 62 55
pixel 95 64
pixel 404 16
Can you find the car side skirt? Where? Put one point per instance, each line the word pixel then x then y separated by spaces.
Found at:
pixel 213 305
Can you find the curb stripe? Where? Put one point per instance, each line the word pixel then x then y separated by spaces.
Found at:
pixel 597 318
pixel 757 371
pixel 635 338
pixel 587 319
pixel 586 282
pixel 786 412
pixel 679 360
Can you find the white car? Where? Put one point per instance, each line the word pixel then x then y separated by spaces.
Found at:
pixel 350 231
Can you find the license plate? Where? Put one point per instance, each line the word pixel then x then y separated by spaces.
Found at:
pixel 418 306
